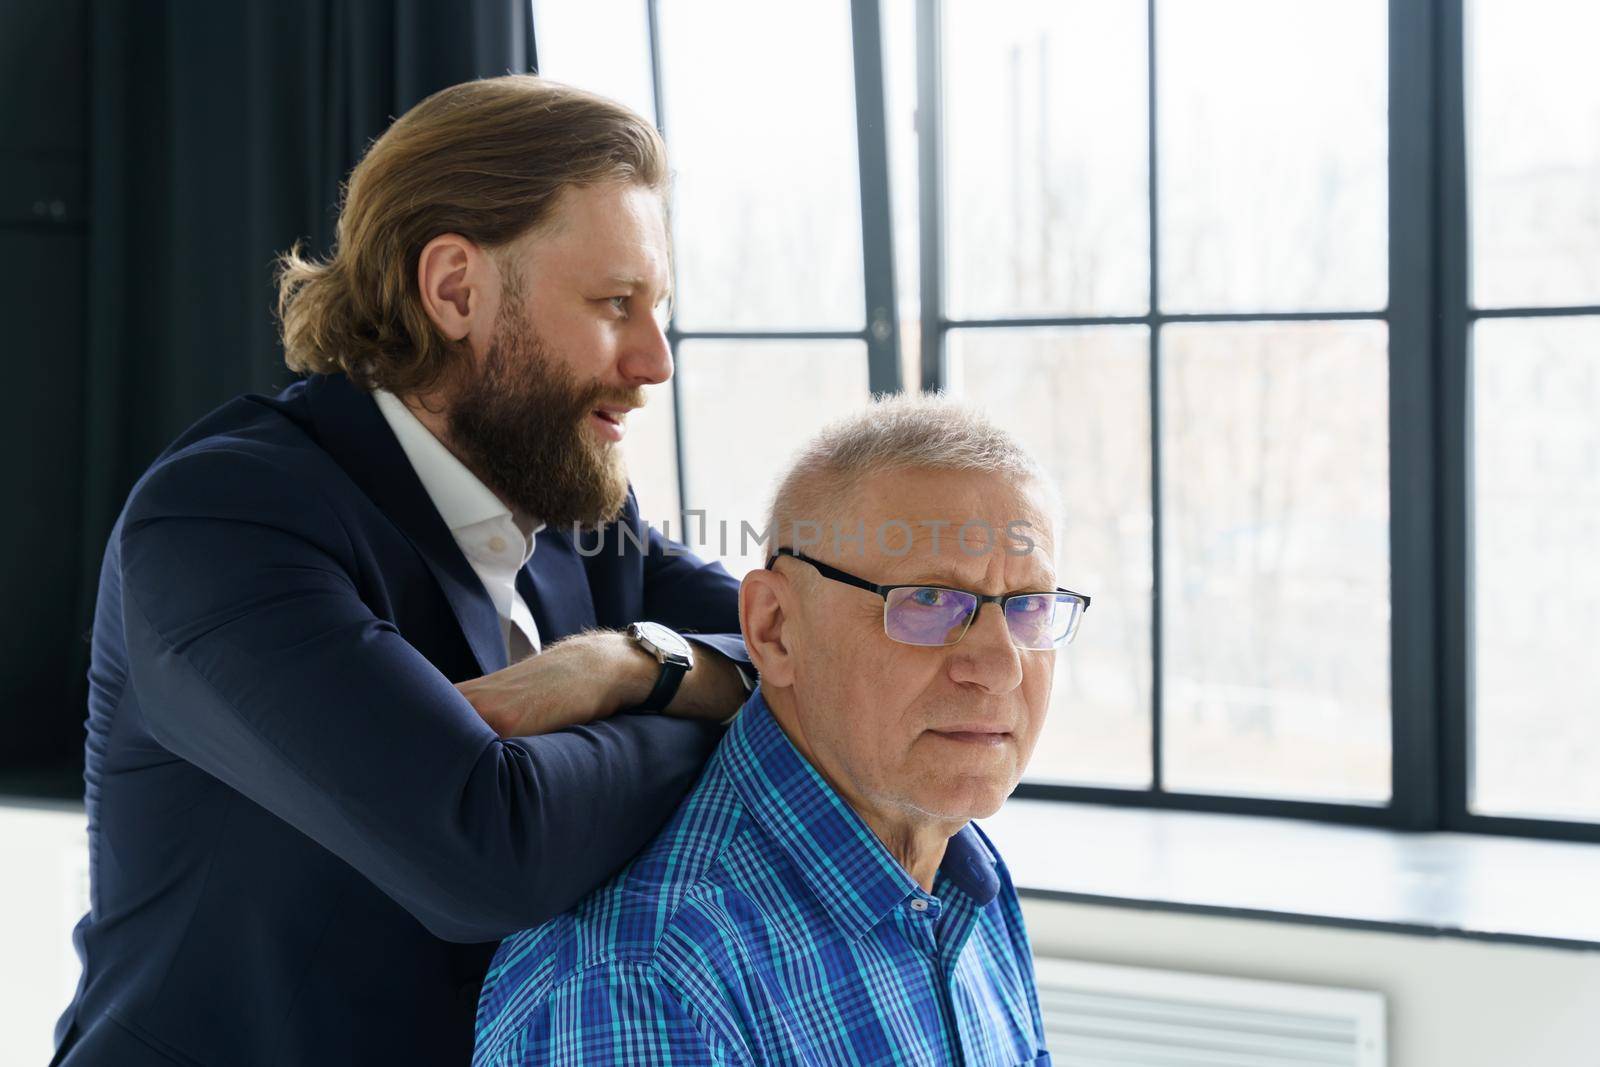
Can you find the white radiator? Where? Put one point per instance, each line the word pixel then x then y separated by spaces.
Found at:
pixel 1097 1015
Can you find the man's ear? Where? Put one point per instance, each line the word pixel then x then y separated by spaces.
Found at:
pixel 457 282
pixel 764 600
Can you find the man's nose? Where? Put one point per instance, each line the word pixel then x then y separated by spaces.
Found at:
pixel 647 357
pixel 986 657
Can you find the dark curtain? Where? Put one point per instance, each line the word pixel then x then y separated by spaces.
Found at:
pixel 43 248
pixel 219 134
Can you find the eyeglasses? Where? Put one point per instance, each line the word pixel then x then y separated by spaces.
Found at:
pixel 940 615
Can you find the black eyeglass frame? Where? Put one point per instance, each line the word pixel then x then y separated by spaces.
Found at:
pixel 828 571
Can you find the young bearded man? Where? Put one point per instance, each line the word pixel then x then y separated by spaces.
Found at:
pixel 359 647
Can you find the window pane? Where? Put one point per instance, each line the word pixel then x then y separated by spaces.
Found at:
pixel 1536 525
pixel 599 45
pixel 1275 459
pixel 1046 185
pixel 1080 399
pixel 651 453
pixel 760 117
pixel 741 424
pixel 1273 155
pixel 1534 141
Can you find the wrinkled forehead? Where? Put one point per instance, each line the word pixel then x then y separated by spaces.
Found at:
pixel 1019 555
pixel 947 528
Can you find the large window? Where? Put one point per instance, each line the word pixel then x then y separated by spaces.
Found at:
pixel 1172 284
pixel 1326 421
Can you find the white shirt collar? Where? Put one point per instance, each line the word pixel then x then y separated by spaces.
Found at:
pixel 460 498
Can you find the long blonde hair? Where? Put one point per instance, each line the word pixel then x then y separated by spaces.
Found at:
pixel 485 159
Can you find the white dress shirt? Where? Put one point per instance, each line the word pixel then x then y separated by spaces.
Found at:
pixel 497 543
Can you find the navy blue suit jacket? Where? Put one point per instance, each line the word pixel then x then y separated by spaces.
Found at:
pixel 304 844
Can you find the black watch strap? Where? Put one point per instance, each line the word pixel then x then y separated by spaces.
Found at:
pixel 666 687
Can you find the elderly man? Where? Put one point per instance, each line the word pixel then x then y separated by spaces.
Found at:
pixel 822 897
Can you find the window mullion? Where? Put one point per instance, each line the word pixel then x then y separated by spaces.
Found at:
pixel 1452 272
pixel 877 223
pixel 930 182
pixel 1157 709
pixel 1412 440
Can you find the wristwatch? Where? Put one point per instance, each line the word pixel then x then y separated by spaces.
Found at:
pixel 675 655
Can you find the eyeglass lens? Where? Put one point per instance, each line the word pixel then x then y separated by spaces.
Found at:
pixel 928 615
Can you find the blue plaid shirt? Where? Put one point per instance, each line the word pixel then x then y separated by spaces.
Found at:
pixel 766 924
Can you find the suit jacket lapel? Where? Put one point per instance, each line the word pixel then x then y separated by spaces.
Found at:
pixel 354 432
pixel 556 588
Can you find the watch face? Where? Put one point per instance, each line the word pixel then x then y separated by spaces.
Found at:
pixel 666 640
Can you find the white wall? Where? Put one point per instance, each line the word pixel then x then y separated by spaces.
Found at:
pixel 1451 1002
pixel 44 890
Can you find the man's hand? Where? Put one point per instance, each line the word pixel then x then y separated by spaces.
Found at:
pixel 591 675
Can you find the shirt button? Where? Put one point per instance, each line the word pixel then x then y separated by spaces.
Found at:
pixel 497 544
pixel 919 905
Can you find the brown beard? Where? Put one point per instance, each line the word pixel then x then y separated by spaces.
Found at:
pixel 521 424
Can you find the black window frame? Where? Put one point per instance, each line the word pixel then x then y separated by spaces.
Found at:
pixel 1413 798
pixel 1429 316
pixel 881 330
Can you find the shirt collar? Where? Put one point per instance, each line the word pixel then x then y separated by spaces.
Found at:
pixel 461 499
pixel 851 872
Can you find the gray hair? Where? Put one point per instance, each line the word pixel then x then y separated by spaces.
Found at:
pixel 898 432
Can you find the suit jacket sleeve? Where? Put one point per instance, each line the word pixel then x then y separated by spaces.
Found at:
pixel 253 656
